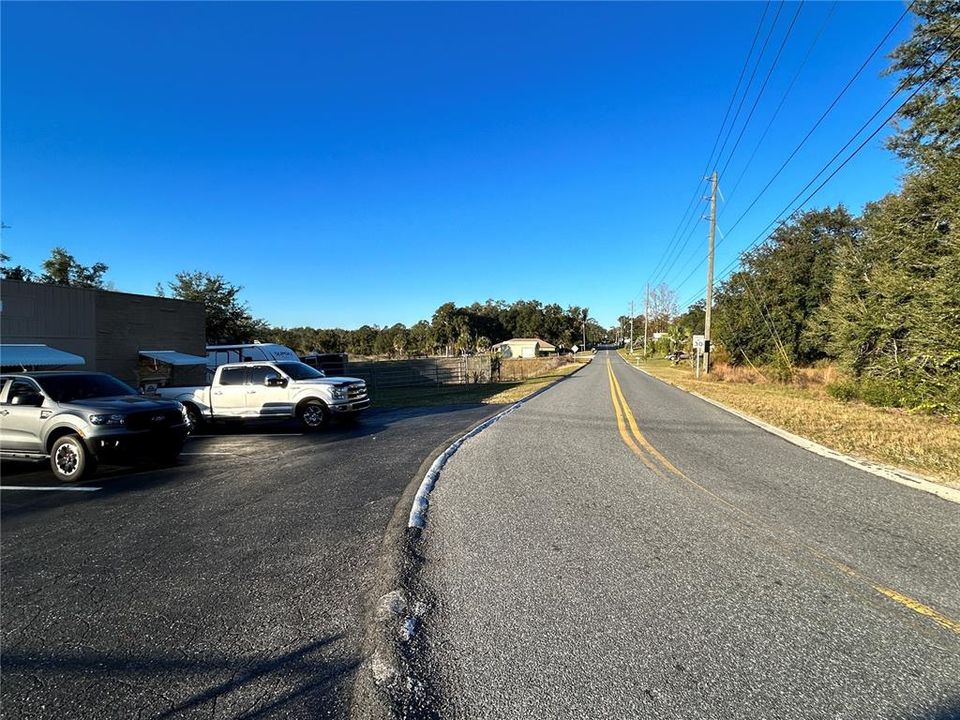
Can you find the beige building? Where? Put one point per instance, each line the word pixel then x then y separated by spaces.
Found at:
pixel 108 330
pixel 524 348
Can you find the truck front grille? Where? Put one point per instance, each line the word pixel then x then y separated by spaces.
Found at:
pixel 154 420
pixel 356 391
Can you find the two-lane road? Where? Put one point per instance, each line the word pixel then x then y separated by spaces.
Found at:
pixel 618 548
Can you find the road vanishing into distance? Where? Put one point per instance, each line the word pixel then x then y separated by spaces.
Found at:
pixel 617 548
pixel 612 548
pixel 232 586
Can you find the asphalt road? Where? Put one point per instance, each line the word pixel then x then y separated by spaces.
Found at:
pixel 231 586
pixel 696 568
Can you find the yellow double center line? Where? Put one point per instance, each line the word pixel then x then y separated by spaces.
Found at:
pixel 663 468
pixel 635 440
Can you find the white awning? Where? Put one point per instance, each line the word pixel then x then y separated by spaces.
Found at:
pixel 25 356
pixel 172 357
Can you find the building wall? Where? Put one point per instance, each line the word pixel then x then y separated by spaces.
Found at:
pixel 108 329
pixel 62 318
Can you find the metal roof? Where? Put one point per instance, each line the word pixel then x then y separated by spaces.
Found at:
pixel 36 356
pixel 172 357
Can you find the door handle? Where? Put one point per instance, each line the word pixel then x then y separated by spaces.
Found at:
pixel 251 392
pixel 218 392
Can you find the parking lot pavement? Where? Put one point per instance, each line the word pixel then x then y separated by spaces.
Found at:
pixel 231 585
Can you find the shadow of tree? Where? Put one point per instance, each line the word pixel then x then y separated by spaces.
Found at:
pixel 300 681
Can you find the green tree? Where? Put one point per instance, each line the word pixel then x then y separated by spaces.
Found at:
pixel 928 127
pixel 894 314
pixel 768 311
pixel 14 272
pixel 61 268
pixel 228 319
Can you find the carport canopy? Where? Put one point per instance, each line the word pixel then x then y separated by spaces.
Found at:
pixel 172 357
pixel 37 355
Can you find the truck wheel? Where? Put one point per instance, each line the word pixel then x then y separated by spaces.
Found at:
pixel 194 419
pixel 70 460
pixel 313 415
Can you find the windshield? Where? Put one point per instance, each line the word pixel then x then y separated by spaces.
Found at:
pixel 67 388
pixel 299 371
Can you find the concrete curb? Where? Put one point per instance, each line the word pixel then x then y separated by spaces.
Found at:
pixel 421 503
pixel 908 479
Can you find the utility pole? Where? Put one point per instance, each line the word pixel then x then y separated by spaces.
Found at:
pixel 631 327
pixel 646 318
pixel 713 230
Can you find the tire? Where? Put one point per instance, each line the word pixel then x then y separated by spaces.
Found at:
pixel 194 419
pixel 313 415
pixel 70 460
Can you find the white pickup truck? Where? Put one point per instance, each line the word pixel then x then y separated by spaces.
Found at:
pixel 271 390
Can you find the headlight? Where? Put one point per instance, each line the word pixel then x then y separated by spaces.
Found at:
pixel 339 393
pixel 108 419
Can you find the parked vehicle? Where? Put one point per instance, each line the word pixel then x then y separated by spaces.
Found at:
pixel 271 390
pixel 76 419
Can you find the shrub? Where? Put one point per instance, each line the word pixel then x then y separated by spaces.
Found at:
pixel 881 393
pixel 843 390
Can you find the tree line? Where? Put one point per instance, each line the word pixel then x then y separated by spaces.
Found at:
pixel 451 330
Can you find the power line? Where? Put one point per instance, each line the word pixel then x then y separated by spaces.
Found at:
pixel 750 81
pixel 856 151
pixel 783 99
pixel 815 126
pixel 746 63
pixel 691 225
pixel 763 86
pixel 822 117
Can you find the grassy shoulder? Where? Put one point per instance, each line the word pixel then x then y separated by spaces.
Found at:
pixel 486 393
pixel 925 444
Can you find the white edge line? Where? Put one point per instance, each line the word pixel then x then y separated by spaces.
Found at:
pixel 42 488
pixel 418 513
pixel 889 472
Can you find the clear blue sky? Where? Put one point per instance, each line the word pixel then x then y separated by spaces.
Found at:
pixel 364 163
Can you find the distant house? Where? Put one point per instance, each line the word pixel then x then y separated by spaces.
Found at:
pixel 524 348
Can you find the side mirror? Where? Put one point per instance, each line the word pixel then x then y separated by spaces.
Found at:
pixel 275 381
pixel 27 399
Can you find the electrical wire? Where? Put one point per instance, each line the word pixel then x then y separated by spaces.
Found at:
pixel 716 141
pixel 763 87
pixel 856 151
pixel 783 99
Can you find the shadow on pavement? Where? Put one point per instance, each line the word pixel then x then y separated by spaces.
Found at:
pixel 299 679
pixel 948 711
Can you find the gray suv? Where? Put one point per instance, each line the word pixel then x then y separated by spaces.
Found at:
pixel 76 419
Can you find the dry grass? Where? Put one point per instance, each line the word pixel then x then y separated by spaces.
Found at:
pixel 518 391
pixel 928 445
pixel 486 393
